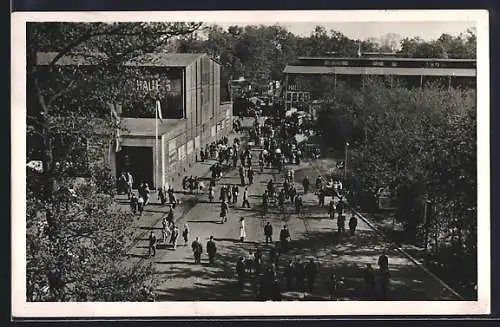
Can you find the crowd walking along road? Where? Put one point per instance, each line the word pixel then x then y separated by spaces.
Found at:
pixel 270 234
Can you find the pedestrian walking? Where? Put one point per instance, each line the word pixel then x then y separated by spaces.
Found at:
pixel 165 230
pixel 265 200
pixel 133 203
pixel 185 234
pixel 162 197
pixel 305 184
pixel 341 224
pixel 383 261
pixel 268 232
pixel 170 216
pixel 275 290
pixel 333 287
pixel 211 250
pixel 243 233
pixel 152 244
pixel 299 276
pixel 331 209
pixel 321 197
pixel 340 208
pixel 284 238
pixel 353 222
pixel 211 193
pixel 140 205
pixel 311 271
pixel 174 236
pixel 235 190
pixel 202 156
pixel 245 198
pixel 130 182
pixel 250 174
pixel 146 194
pixel 223 212
pixel 197 250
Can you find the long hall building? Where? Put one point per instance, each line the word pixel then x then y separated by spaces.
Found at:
pixel 188 88
pixel 303 76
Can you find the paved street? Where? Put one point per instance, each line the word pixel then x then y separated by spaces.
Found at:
pixel 313 235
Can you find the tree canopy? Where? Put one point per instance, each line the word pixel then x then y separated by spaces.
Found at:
pixel 76 234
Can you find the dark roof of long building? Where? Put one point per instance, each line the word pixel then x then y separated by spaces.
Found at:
pixel 146 60
pixel 465 72
pixel 387 58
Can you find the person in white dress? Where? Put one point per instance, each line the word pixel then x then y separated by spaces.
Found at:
pixel 242 229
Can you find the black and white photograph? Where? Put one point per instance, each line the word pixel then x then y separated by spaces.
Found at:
pixel 250 163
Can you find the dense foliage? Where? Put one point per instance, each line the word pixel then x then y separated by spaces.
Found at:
pixel 260 53
pixel 76 242
pixel 421 144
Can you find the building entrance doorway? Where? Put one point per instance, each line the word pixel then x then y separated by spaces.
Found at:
pixel 138 161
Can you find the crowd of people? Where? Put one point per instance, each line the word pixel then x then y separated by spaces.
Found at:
pixel 276 271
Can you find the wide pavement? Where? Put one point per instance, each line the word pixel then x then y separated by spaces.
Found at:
pixel 313 236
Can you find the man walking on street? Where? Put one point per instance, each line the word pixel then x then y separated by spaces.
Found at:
pixel 331 209
pixel 341 224
pixel 242 176
pixel 284 238
pixel 235 190
pixel 311 271
pixel 152 244
pixel 268 232
pixel 353 222
pixel 384 275
pixel 305 184
pixel 245 198
pixel 250 175
pixel 211 250
pixel 197 250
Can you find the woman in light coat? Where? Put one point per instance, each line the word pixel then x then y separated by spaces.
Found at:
pixel 243 233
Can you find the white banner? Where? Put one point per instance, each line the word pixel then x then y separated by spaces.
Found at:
pixel 189 147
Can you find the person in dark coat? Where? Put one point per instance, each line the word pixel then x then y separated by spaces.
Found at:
pixel 235 190
pixel 268 232
pixel 341 224
pixel 211 250
pixel 275 290
pixel 202 155
pixel 305 184
pixel 353 222
pixel 331 209
pixel 299 276
pixel 197 250
pixel 250 174
pixel 284 238
pixel 311 271
pixel 340 208
pixel 133 203
pixel 242 176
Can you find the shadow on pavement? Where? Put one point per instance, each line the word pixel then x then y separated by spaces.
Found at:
pixel 346 257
